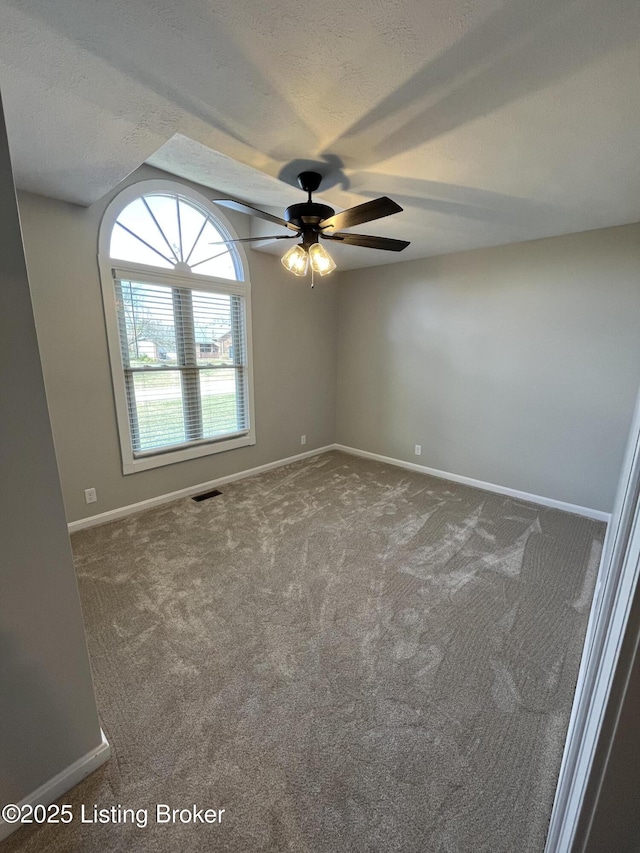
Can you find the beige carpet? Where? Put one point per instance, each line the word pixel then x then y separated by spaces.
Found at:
pixel 344 655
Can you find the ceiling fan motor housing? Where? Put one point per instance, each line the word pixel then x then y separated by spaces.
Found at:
pixel 307 213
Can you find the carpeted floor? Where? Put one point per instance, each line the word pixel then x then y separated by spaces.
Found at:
pixel 344 655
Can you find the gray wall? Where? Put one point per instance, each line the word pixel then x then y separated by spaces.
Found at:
pixel 516 365
pixel 48 716
pixel 294 342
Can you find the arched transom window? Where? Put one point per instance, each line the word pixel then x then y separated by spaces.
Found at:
pixel 177 310
pixel 171 231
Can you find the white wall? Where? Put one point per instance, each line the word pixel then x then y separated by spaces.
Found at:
pixel 294 343
pixel 516 365
pixel 48 716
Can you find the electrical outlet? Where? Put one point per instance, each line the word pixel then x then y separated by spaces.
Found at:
pixel 418 450
pixel 303 439
pixel 90 496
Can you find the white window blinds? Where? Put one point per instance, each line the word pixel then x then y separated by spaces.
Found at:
pixel 184 361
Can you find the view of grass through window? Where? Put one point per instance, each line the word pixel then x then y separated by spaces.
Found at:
pixel 160 410
pixel 178 327
pixel 183 361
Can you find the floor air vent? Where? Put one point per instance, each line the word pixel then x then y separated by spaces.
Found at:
pixel 206 495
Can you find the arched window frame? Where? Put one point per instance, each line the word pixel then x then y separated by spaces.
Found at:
pixel 112 269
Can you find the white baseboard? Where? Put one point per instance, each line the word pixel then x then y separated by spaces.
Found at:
pixel 61 783
pixel 595 514
pixel 140 506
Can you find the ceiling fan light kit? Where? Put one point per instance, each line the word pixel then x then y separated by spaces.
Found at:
pixel 296 260
pixel 321 260
pixel 312 221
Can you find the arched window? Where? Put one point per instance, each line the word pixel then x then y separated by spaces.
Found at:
pixel 177 310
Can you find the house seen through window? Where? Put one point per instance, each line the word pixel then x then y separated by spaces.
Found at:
pixel 178 316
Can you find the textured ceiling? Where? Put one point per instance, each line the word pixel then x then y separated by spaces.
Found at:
pixel 489 122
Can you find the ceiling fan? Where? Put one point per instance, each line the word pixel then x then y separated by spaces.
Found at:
pixel 312 221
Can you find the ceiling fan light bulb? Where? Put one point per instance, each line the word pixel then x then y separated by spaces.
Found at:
pixel 296 260
pixel 321 260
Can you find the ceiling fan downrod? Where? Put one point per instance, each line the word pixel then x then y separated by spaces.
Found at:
pixel 307 215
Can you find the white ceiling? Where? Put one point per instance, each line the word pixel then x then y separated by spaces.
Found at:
pixel 489 122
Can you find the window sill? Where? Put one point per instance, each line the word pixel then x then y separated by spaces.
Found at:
pixel 144 463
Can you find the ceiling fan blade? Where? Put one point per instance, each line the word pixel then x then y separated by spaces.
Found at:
pixel 254 239
pixel 253 211
pixel 368 241
pixel 366 212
